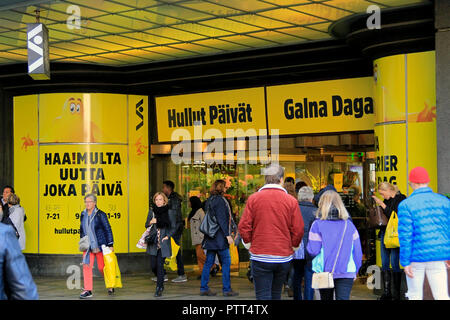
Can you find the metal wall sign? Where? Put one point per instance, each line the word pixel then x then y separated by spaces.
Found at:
pixel 38 55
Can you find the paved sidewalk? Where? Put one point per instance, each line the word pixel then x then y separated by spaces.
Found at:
pixel 141 287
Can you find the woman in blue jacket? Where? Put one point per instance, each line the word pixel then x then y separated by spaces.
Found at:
pixel 94 223
pixel 220 243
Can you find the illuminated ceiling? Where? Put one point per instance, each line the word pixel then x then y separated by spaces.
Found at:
pixel 129 32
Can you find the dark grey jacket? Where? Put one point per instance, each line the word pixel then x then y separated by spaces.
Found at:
pixel 308 210
pixel 166 247
pixel 16 282
pixel 175 216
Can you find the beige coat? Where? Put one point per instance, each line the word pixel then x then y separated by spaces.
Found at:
pixel 195 222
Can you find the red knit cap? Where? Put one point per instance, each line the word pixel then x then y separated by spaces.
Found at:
pixel 419 175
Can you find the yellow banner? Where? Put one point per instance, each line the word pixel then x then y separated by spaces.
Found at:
pixel 233 109
pixel 67 174
pixel 26 159
pixel 105 153
pixel 318 107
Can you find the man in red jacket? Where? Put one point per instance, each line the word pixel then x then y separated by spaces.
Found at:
pixel 272 228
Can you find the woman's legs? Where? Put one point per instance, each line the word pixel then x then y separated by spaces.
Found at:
pixel 299 270
pixel 159 269
pixel 87 269
pixel 201 257
pixel 210 255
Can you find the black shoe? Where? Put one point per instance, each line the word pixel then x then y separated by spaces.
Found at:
pixel 208 293
pixel 111 292
pixel 230 294
pixel 386 286
pixel 86 294
pixel 397 282
pixel 158 292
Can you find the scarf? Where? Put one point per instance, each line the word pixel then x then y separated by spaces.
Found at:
pixel 162 216
pixel 89 229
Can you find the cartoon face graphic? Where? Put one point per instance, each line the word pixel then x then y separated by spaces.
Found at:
pixel 75 105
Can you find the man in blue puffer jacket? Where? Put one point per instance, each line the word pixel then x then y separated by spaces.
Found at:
pixel 424 235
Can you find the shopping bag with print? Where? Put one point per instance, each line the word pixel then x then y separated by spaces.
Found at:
pixel 111 271
pixel 391 236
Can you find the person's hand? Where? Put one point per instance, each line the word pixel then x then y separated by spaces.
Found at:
pixel 165 238
pixel 409 272
pixel 378 201
pixel 230 240
pixel 153 221
pixel 112 249
pixel 447 263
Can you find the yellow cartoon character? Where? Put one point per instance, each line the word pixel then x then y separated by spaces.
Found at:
pixel 74 124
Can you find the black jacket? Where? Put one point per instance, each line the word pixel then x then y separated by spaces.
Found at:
pixel 308 210
pixel 392 205
pixel 16 282
pixel 175 216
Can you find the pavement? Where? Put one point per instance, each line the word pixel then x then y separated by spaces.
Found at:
pixel 141 287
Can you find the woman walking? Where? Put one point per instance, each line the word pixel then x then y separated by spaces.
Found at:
pixel 335 244
pixel 158 217
pixel 220 243
pixel 389 257
pixel 94 224
pixel 195 218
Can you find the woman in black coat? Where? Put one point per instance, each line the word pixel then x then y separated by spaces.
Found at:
pixel 158 217
pixel 218 206
pixel 392 198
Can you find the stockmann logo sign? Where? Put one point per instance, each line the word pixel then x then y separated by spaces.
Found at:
pixel 139 112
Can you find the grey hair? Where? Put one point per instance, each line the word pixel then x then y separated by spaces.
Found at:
pixel 92 196
pixel 305 194
pixel 273 173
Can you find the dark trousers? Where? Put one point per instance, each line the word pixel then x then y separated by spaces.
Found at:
pixel 342 290
pixel 157 263
pixel 302 271
pixel 269 278
pixel 180 264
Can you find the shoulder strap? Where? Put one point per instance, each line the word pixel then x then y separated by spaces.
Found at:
pixel 340 245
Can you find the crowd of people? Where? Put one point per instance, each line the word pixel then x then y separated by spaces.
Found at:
pixel 290 233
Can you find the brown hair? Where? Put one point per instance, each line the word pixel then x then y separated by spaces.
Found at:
pixel 290 188
pixel 166 200
pixel 218 187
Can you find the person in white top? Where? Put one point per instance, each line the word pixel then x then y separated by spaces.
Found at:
pixel 17 216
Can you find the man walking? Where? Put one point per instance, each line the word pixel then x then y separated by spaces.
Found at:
pixel 424 235
pixel 177 219
pixel 272 225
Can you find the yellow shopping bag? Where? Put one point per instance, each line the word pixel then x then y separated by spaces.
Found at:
pixel 172 261
pixel 111 271
pixel 391 236
pixel 234 254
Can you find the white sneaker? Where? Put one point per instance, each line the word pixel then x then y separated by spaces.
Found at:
pixel 182 278
pixel 165 278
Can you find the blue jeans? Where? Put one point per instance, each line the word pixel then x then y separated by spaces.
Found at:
pixel 389 256
pixel 225 258
pixel 302 269
pixel 269 278
pixel 342 289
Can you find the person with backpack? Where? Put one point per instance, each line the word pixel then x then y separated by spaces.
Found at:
pixel 219 243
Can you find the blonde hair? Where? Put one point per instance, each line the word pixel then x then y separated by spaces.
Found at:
pixel 327 199
pixel 13 199
pixel 386 186
pixel 166 200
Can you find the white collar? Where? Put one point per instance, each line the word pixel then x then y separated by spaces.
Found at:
pixel 272 186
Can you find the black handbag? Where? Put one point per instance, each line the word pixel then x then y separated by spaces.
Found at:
pixel 152 237
pixel 209 225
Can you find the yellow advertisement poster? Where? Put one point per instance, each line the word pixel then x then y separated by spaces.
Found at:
pixel 390 147
pixel 82 117
pixel 318 107
pixel 26 158
pixel 242 110
pixel 67 174
pixel 104 151
pixel 138 168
